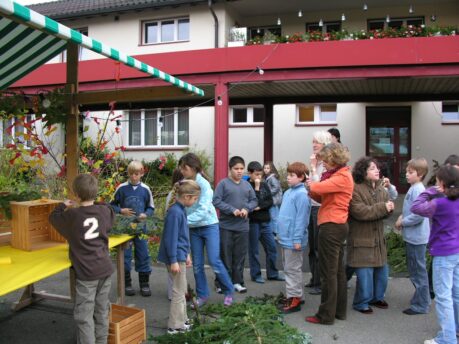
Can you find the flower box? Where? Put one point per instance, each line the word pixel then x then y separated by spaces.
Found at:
pixel 31 229
pixel 127 325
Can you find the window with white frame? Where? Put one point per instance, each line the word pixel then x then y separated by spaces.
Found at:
pixel 316 114
pixel 247 115
pixel 12 130
pixel 166 30
pixel 82 52
pixel 158 127
pixel 331 26
pixel 396 23
pixel 450 112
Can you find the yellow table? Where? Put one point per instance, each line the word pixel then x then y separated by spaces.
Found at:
pixel 27 268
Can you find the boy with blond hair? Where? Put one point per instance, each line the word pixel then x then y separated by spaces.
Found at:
pixel 134 198
pixel 415 231
pixel 86 229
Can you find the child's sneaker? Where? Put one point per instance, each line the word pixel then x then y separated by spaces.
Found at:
pixel 430 341
pixel 200 301
pixel 178 330
pixel 240 288
pixel 218 290
pixel 228 301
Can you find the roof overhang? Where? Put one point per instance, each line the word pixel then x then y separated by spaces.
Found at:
pixel 28 40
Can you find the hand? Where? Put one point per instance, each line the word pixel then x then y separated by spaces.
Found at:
pixel 257 183
pixel 297 247
pixel 313 162
pixel 142 217
pixel 398 223
pixel 244 213
pixel 237 213
pixel 69 203
pixel 189 263
pixel 389 206
pixel 386 182
pixel 175 268
pixel 308 182
pixel 127 212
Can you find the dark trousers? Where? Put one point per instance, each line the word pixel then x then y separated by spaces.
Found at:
pixel 313 255
pixel 333 300
pixel 233 249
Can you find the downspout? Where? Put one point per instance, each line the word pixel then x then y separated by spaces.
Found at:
pixel 216 22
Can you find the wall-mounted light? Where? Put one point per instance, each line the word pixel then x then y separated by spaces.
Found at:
pixel 258 30
pixel 300 13
pixel 433 17
pixel 321 22
pixel 219 101
pixel 388 19
pixel 279 21
pixel 365 7
pixel 411 9
pixel 260 71
pixel 343 17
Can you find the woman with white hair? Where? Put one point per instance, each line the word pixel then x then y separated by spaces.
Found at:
pixel 319 140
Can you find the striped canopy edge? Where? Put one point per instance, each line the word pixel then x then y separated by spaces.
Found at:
pixel 29 39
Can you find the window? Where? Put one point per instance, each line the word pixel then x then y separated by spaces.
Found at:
pixel 158 127
pixel 163 31
pixel 316 114
pixel 18 133
pixel 82 52
pixel 450 113
pixel 260 31
pixel 247 115
pixel 326 27
pixel 396 23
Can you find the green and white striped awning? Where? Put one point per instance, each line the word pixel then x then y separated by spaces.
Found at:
pixel 29 39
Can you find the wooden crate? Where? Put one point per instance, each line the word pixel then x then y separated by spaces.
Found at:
pixel 5 230
pixel 127 325
pixel 31 229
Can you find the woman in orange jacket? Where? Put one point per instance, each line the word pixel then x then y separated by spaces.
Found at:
pixel 334 192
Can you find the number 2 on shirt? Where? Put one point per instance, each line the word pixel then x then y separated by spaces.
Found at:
pixel 91 232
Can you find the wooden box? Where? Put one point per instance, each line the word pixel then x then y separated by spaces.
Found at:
pixel 127 325
pixel 31 229
pixel 5 230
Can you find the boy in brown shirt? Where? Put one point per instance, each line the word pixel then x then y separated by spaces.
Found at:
pixel 86 229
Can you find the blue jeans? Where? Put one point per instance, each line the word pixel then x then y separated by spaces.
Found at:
pixel 274 214
pixel 416 263
pixel 370 287
pixel 261 231
pixel 446 287
pixel 208 236
pixel 142 256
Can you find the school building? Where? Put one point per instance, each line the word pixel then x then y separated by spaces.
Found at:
pixel 392 98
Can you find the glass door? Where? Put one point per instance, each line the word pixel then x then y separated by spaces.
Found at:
pixel 388 141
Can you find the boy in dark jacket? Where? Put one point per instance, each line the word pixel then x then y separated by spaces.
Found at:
pixel 260 229
pixel 86 229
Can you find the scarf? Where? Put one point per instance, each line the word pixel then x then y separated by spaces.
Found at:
pixel 327 174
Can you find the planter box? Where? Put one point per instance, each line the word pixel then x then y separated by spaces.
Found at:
pixel 127 325
pixel 30 226
pixel 5 230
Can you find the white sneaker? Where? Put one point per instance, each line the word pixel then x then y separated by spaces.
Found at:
pixel 430 341
pixel 239 288
pixel 178 330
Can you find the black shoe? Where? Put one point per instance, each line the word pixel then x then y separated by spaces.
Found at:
pixel 145 291
pixel 409 311
pixel 129 291
pixel 279 277
pixel 144 278
pixel 369 310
